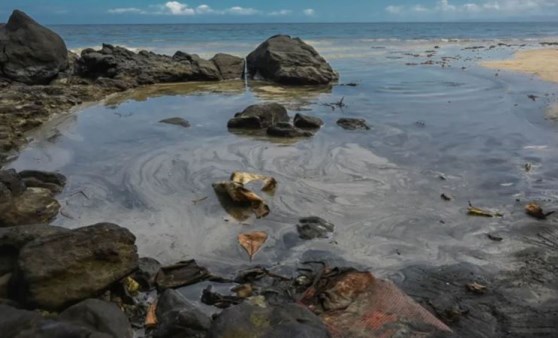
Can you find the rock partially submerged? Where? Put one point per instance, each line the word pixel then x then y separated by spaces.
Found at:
pixel 289 61
pixel 314 227
pixel 63 268
pixel 307 122
pixel 285 129
pixel 353 124
pixel 28 197
pixel 259 116
pixel 177 121
pixel 178 318
pixel 30 53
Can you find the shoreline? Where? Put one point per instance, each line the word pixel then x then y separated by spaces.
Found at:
pixel 542 62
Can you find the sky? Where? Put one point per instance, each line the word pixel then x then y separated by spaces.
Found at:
pixel 237 11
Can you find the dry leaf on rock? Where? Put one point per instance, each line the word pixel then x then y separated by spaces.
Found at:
pixel 252 241
pixel 476 288
pixel 471 210
pixel 244 178
pixel 534 210
pixel 151 316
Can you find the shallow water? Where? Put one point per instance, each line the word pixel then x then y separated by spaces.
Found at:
pixel 381 188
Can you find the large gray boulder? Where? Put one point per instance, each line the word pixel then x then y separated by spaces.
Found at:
pixel 30 53
pixel 289 61
pixel 64 268
pixel 231 67
pixel 259 116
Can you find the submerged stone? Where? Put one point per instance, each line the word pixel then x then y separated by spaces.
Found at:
pixel 314 227
pixel 259 116
pixel 307 122
pixel 353 124
pixel 178 121
pixel 285 129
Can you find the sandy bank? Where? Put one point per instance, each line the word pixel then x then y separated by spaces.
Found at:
pixel 540 62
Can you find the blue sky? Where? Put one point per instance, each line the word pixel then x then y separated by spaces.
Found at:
pixel 186 11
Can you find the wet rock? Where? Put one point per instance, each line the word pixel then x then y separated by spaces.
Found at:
pixel 10 180
pixel 272 321
pixel 54 182
pixel 12 239
pixel 16 323
pixel 314 227
pixel 178 121
pixel 181 274
pixel 285 129
pixel 30 53
pixel 144 67
pixel 33 206
pixel 259 116
pixel 148 268
pixel 99 316
pixel 64 268
pixel 178 318
pixel 289 61
pixel 307 122
pixel 5 285
pixel 231 67
pixel 353 124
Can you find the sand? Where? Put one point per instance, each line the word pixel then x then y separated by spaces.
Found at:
pixel 540 62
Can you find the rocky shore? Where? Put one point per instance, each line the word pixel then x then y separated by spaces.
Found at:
pixel 39 77
pixel 91 281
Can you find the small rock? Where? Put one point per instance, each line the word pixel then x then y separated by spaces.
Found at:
pixel 269 321
pixel 178 121
pixel 33 206
pixel 353 124
pixel 259 116
pixel 314 227
pixel 307 122
pixel 99 316
pixel 148 268
pixel 178 318
pixel 285 129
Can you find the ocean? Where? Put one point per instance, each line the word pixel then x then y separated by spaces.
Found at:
pixel 440 122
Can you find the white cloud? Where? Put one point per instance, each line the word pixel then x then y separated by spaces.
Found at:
pixel 125 10
pixel 204 9
pixel 394 9
pixel 309 12
pixel 281 12
pixel 237 10
pixel 494 8
pixel 178 8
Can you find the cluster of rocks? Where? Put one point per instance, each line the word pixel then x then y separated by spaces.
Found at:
pixel 40 77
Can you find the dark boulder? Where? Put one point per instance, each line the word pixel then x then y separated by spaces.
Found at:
pixel 12 239
pixel 314 227
pixel 30 53
pixel 285 320
pixel 231 67
pixel 178 318
pixel 289 61
pixel 259 116
pixel 16 323
pixel 144 67
pixel 285 129
pixel 64 268
pixel 353 124
pixel 203 70
pixel 177 121
pixel 100 316
pixel 307 122
pixel 11 180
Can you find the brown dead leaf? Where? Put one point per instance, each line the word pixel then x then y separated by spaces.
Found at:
pixel 239 194
pixel 244 178
pixel 534 210
pixel 151 317
pixel 471 210
pixel 476 288
pixel 252 241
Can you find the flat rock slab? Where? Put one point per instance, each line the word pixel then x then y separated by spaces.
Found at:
pixel 64 268
pixel 180 274
pixel 177 121
pixel 287 130
pixel 353 124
